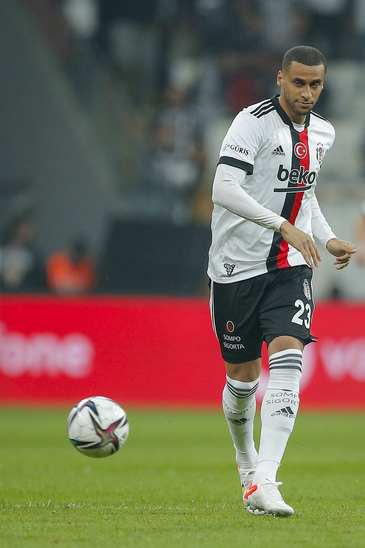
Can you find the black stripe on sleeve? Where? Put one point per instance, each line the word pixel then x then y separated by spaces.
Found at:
pixel 233 162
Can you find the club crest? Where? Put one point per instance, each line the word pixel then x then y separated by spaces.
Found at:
pixel 306 289
pixel 320 152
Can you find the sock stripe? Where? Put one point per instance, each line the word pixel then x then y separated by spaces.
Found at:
pixel 241 392
pixel 274 362
pixel 285 367
pixel 289 357
pixel 287 361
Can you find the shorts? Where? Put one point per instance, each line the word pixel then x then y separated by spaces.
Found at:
pixel 248 312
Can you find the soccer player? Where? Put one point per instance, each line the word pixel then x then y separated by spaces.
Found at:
pixel 261 261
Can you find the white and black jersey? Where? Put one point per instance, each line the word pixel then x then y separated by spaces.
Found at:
pixel 268 168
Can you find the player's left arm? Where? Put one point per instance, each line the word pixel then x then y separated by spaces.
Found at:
pixel 341 249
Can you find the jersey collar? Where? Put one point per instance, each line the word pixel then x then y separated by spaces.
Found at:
pixel 283 115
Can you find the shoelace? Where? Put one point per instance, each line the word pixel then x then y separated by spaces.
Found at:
pixel 274 487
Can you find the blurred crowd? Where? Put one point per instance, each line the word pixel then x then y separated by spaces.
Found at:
pixel 69 271
pixel 173 69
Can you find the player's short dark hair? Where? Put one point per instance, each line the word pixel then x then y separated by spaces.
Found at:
pixel 306 55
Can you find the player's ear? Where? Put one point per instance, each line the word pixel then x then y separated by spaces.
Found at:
pixel 279 78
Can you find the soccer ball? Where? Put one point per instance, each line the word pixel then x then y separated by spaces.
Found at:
pixel 97 427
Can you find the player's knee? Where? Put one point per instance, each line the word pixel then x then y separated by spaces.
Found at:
pixel 244 372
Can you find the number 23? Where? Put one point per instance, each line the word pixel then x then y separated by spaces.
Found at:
pixel 303 309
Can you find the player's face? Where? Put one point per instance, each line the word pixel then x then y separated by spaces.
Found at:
pixel 301 87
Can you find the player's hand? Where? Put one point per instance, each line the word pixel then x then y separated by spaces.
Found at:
pixel 342 250
pixel 302 242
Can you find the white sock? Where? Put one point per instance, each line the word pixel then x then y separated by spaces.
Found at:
pixel 278 411
pixel 239 407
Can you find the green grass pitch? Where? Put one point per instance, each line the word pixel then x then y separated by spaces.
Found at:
pixel 174 484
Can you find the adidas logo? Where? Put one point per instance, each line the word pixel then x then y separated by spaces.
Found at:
pixel 238 422
pixel 278 151
pixel 286 412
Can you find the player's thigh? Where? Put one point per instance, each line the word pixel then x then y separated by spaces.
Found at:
pixel 235 316
pixel 288 305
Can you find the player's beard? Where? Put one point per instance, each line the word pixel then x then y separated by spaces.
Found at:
pixel 295 108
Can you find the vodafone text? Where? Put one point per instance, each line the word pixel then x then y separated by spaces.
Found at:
pixel 45 354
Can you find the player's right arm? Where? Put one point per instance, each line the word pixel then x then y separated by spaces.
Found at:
pixel 228 193
pixel 302 242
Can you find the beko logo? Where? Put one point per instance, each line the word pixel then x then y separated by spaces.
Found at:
pixel 301 178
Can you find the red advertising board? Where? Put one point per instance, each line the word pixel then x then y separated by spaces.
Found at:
pixel 156 351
